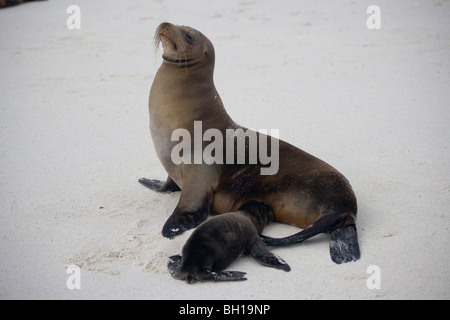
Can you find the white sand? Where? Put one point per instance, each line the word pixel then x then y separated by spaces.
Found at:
pixel 75 139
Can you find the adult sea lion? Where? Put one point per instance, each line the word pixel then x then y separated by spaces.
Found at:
pixel 304 192
pixel 217 242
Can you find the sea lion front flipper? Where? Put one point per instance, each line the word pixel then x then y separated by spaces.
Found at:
pixel 160 186
pixel 181 221
pixel 222 276
pixel 261 253
pixel 175 259
pixel 194 204
pixel 344 245
pixel 174 266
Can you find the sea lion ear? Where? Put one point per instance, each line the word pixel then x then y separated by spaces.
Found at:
pixel 205 50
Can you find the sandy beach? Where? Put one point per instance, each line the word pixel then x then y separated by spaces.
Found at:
pixel 74 139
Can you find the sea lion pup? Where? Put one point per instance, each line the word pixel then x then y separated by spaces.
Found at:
pixel 304 191
pixel 217 242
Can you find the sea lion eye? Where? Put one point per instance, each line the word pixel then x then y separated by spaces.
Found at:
pixel 188 38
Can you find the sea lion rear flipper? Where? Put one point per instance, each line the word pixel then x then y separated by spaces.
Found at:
pixel 344 245
pixel 261 253
pixel 160 186
pixel 325 223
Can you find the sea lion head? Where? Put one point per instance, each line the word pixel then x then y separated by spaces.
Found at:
pixel 184 46
pixel 259 212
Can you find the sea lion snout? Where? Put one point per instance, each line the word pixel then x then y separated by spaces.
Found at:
pixel 166 34
pixel 163 25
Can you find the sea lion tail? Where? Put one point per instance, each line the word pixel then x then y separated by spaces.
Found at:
pixel 325 223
